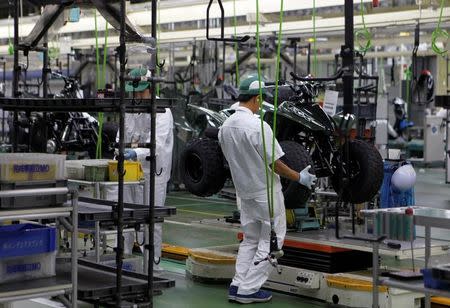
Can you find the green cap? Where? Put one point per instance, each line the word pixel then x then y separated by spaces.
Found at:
pixel 250 86
pixel 142 85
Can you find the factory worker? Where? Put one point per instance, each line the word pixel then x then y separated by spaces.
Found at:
pixel 137 131
pixel 240 138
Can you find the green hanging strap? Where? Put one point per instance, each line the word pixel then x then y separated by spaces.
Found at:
pixel 363 36
pixel 236 45
pixel 258 58
pixel 275 106
pixel 275 251
pixel 269 182
pixel 439 33
pixel 97 52
pixel 101 83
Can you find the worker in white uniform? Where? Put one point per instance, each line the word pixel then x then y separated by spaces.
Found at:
pixel 241 141
pixel 137 131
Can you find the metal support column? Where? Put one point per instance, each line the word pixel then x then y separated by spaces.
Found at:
pixel 375 269
pixel 74 247
pixel 151 225
pixel 347 53
pixel 15 85
pixel 427 260
pixel 120 167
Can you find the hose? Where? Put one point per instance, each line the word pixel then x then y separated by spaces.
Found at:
pixel 363 37
pixel 438 34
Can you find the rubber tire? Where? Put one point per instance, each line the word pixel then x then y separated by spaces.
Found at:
pixel 367 183
pixel 205 157
pixel 109 133
pixel 297 158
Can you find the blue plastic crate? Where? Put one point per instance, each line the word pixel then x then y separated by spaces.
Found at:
pixel 26 239
pixel 433 283
pixel 389 196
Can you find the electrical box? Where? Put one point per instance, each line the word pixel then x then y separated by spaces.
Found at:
pixel 434 139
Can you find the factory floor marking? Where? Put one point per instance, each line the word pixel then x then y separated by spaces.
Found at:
pixel 201 200
pixel 202 213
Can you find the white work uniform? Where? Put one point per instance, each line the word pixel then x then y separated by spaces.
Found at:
pixel 138 130
pixel 240 138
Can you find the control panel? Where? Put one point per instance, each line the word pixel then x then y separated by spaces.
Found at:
pixel 307 279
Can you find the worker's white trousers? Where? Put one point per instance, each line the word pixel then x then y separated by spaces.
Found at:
pixel 255 224
pixel 135 194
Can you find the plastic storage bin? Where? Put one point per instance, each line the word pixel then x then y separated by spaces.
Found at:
pixel 430 282
pixel 96 173
pixel 27 251
pixel 75 168
pixel 130 263
pixel 17 167
pixel 133 171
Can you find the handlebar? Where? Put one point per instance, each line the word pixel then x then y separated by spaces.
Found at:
pixel 334 77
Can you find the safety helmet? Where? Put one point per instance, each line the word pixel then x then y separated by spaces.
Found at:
pixel 404 178
pixel 141 85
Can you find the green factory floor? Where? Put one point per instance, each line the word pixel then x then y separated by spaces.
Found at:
pixel 185 230
pixel 180 231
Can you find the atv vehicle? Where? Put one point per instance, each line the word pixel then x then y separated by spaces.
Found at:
pixel 48 132
pixel 307 135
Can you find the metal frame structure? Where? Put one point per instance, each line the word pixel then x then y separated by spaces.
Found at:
pixel 430 218
pixel 120 105
pixel 56 286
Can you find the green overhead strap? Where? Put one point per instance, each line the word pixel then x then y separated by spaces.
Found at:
pixel 10 43
pixel 439 33
pixel 258 59
pixel 314 66
pixel 97 52
pixel 363 36
pixel 269 181
pixel 101 82
pixel 275 104
pixel 236 44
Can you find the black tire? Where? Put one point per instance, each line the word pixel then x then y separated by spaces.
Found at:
pixel 109 133
pixel 202 167
pixel 297 158
pixel 366 182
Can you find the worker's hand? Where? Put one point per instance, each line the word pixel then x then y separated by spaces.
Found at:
pixel 130 154
pixel 307 179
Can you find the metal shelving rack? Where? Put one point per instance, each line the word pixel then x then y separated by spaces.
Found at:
pixel 119 105
pixel 425 217
pixel 60 285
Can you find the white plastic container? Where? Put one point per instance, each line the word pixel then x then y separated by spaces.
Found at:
pixel 75 168
pixel 28 267
pixel 19 167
